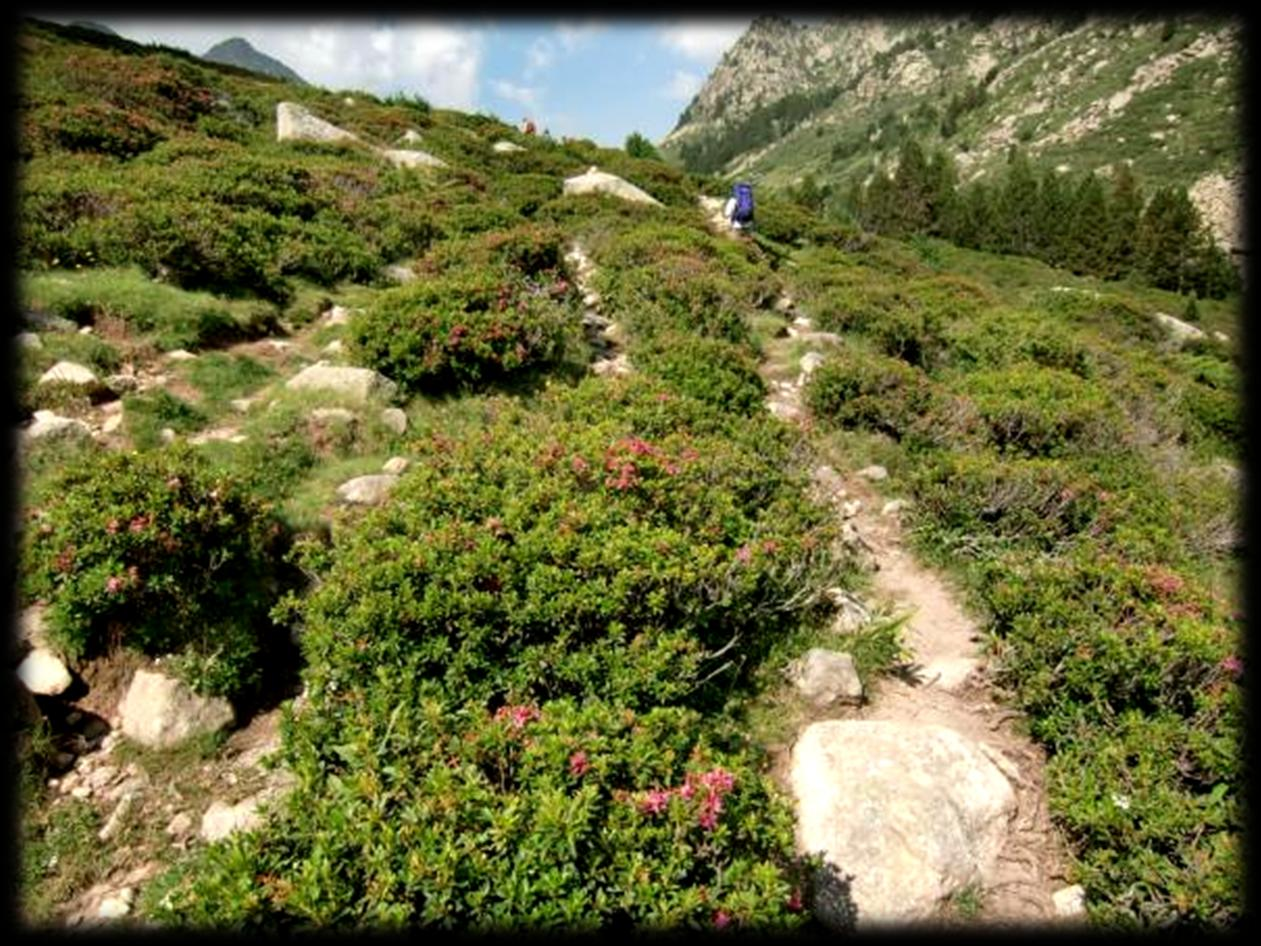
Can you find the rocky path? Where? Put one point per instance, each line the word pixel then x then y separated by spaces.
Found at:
pixel 1008 868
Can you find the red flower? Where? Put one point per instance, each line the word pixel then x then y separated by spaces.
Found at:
pixel 721 918
pixel 138 524
pixel 744 554
pixel 114 584
pixel 578 764
pixel 113 526
pixel 794 901
pixel 579 465
pixel 655 801
pixel 1232 664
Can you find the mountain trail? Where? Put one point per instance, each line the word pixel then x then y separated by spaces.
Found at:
pixel 945 680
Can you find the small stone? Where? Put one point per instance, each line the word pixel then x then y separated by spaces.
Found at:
pixel 241 404
pixel 335 347
pixel 875 473
pixel 180 825
pixel 28 340
pixel 809 362
pixel 824 676
pixel 368 490
pixel 167 435
pixel 221 819
pixel 1070 901
pixel 180 354
pixel 396 465
pixel 81 791
pixel 400 274
pixel 395 419
pixel 591 299
pixel 43 673
pixel 893 507
pixel 68 372
pixel 116 819
pixel 850 508
pixel 337 315
pixel 113 908
pixel 112 423
pixel 339 414
pixel 85 330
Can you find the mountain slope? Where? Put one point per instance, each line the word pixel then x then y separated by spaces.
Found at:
pixel 835 100
pixel 238 52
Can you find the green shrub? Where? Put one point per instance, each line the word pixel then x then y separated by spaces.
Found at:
pixel 676 299
pixel 560 816
pixel 1033 411
pixel 853 389
pixel 100 127
pixel 145 415
pixel 708 369
pixel 469 326
pixel 152 551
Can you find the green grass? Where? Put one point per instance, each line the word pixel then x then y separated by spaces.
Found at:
pixel 168 317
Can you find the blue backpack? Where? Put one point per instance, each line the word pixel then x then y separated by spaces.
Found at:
pixel 744 204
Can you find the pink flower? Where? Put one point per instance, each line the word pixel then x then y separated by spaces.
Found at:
pixel 518 716
pixel 1232 664
pixel 138 524
pixel 174 482
pixel 794 901
pixel 114 584
pixel 578 764
pixel 579 465
pixel 721 919
pixel 688 790
pixel 113 526
pixel 708 820
pixel 719 780
pixel 655 801
pixel 744 554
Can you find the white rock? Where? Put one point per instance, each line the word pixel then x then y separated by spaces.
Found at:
pixel 1180 330
pixel 825 676
pixel 180 825
pixel 337 315
pixel 1221 336
pixel 591 299
pixel 1070 901
pixel 336 414
pixel 296 123
pixel 413 159
pixel 114 907
pixel 242 405
pixel 167 435
pixel 222 819
pixel 400 274
pixel 396 465
pixel 875 473
pixel 912 813
pixel 395 419
pixel 81 792
pixel 180 354
pixel 69 372
pixel 112 423
pixel 85 330
pixel 28 340
pixel 809 362
pixel 409 137
pixel 367 490
pixel 160 712
pixel 335 347
pixel 111 408
pixel 361 384
pixel 31 626
pixel 53 427
pixel 506 147
pixel 118 817
pixel 612 366
pixel 596 181
pixel 851 507
pixel 43 673
pixel 893 507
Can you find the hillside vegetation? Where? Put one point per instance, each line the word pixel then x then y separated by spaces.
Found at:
pixel 530 678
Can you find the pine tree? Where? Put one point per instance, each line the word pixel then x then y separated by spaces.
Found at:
pixel 1087 234
pixel 1169 240
pixel 1017 206
pixel 637 146
pixel 1125 208
pixel 912 187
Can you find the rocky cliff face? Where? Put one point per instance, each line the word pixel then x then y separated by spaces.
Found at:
pixel 836 99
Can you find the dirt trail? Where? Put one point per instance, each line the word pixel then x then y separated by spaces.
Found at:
pixel 946 681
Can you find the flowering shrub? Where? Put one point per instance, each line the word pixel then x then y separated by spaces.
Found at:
pixel 559 816
pixel 868 391
pixel 465 327
pixel 708 369
pixel 548 557
pixel 155 552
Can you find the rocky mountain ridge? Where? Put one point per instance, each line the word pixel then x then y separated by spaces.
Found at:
pixel 238 52
pixel 835 99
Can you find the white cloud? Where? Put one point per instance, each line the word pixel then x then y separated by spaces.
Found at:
pixel 539 56
pixel 572 35
pixel 521 94
pixel 436 60
pixel 703 40
pixel 682 86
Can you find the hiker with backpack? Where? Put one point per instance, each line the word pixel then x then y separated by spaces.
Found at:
pixel 739 207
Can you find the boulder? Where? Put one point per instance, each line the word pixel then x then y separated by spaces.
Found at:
pixel 47 322
pixel 335 347
pixel 911 813
pixel 50 426
pixel 28 340
pixel 596 181
pixel 361 384
pixel 368 490
pixel 44 673
pixel 295 123
pixel 68 372
pixel 875 473
pixel 337 315
pixel 395 419
pixel 399 274
pixel 413 159
pixel 1180 331
pixel 180 354
pixel 396 465
pixel 824 677
pixel 506 147
pixel 336 414
pixel 1070 901
pixel 160 712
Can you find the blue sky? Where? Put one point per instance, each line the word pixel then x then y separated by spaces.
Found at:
pixel 598 79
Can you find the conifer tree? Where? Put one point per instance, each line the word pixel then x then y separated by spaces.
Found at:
pixel 1017 206
pixel 1125 207
pixel 1086 245
pixel 1168 240
pixel 912 188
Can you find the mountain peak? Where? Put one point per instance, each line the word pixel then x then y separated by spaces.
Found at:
pixel 237 51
